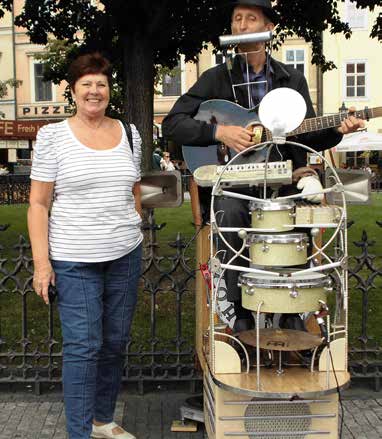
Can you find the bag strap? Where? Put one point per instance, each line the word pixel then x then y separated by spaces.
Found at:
pixel 129 134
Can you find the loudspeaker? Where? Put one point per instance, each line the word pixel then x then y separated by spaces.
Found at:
pixel 230 414
pixel 356 183
pixel 161 189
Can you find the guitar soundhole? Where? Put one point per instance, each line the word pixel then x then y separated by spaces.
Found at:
pixel 223 154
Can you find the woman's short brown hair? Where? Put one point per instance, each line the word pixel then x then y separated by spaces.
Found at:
pixel 91 63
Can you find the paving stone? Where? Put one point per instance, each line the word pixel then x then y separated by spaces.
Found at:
pixel 150 417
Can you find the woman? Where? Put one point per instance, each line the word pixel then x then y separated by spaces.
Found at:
pixel 90 247
pixel 166 164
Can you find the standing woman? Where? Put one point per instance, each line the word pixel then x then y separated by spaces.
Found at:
pixel 90 245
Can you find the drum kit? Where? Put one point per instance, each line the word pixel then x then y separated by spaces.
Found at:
pixel 291 270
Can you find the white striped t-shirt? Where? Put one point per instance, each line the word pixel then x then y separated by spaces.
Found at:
pixel 93 216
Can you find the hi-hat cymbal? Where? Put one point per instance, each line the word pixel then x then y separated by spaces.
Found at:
pixel 281 339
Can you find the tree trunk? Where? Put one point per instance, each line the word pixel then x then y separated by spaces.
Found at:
pixel 139 97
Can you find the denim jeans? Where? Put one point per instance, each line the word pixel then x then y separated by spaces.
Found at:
pixel 96 302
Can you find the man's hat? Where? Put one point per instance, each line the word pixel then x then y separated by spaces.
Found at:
pixel 265 5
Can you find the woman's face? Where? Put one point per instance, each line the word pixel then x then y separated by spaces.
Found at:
pixel 92 94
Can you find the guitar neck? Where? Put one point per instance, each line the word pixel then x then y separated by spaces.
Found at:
pixel 334 120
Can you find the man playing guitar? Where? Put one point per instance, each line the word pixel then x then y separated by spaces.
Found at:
pixel 231 82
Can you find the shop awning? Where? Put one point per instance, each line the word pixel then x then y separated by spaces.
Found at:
pixel 360 141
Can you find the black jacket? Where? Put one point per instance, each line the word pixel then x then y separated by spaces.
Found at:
pixel 215 83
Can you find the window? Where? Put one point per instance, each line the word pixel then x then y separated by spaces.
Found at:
pixel 42 89
pixel 355 159
pixel 24 154
pixel 296 58
pixel 172 84
pixel 355 17
pixel 355 80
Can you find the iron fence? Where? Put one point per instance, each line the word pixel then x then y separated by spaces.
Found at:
pixel 30 340
pixel 365 350
pixel 162 344
pixel 14 189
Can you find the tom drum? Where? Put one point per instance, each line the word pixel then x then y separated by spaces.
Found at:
pixel 278 250
pixel 279 294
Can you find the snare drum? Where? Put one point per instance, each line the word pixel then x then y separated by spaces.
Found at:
pixel 326 214
pixel 294 294
pixel 277 215
pixel 317 214
pixel 278 250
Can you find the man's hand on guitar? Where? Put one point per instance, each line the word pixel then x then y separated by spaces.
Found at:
pixel 235 137
pixel 351 123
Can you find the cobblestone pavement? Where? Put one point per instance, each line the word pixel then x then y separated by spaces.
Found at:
pixel 150 416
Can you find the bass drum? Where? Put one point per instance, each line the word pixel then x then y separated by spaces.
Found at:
pixel 294 294
pixel 277 215
pixel 278 250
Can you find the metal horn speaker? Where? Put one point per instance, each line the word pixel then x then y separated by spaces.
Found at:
pixel 161 189
pixel 356 186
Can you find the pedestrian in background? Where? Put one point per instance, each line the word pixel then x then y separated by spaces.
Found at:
pixel 90 246
pixel 156 159
pixel 166 164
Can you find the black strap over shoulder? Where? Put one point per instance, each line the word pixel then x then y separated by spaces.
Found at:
pixel 129 134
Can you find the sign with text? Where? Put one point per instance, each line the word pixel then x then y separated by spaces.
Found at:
pixel 15 130
pixel 51 111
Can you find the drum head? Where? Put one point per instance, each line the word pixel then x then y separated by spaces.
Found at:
pixel 305 280
pixel 272 205
pixel 277 238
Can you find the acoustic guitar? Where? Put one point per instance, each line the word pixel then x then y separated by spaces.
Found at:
pixel 222 112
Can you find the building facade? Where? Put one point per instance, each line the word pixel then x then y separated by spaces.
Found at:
pixel 32 103
pixel 354 82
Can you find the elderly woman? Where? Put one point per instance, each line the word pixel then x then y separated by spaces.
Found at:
pixel 90 245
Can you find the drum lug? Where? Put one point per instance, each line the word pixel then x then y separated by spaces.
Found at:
pixel 265 247
pixel 250 291
pixel 292 215
pixel 300 247
pixel 259 214
pixel 293 293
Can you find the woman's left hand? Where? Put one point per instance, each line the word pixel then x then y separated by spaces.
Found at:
pixel 43 277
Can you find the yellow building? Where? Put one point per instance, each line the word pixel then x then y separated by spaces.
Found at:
pixel 356 81
pixel 35 99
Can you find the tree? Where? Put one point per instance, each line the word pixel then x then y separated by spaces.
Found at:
pixel 8 83
pixel 4 89
pixel 141 34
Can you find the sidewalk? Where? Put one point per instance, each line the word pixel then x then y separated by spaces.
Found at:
pixel 150 416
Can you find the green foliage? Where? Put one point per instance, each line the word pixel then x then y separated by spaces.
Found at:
pixel 8 83
pixel 55 58
pixel 161 73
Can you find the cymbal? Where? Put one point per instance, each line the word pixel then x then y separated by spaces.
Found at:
pixel 281 339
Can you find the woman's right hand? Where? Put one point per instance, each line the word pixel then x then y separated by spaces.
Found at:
pixel 43 277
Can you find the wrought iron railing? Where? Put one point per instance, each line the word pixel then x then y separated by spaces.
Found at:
pixel 365 287
pixel 162 344
pixel 161 347
pixel 14 189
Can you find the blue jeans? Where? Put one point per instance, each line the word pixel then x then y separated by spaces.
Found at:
pixel 96 302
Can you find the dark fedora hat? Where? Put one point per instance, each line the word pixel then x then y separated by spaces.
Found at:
pixel 265 5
